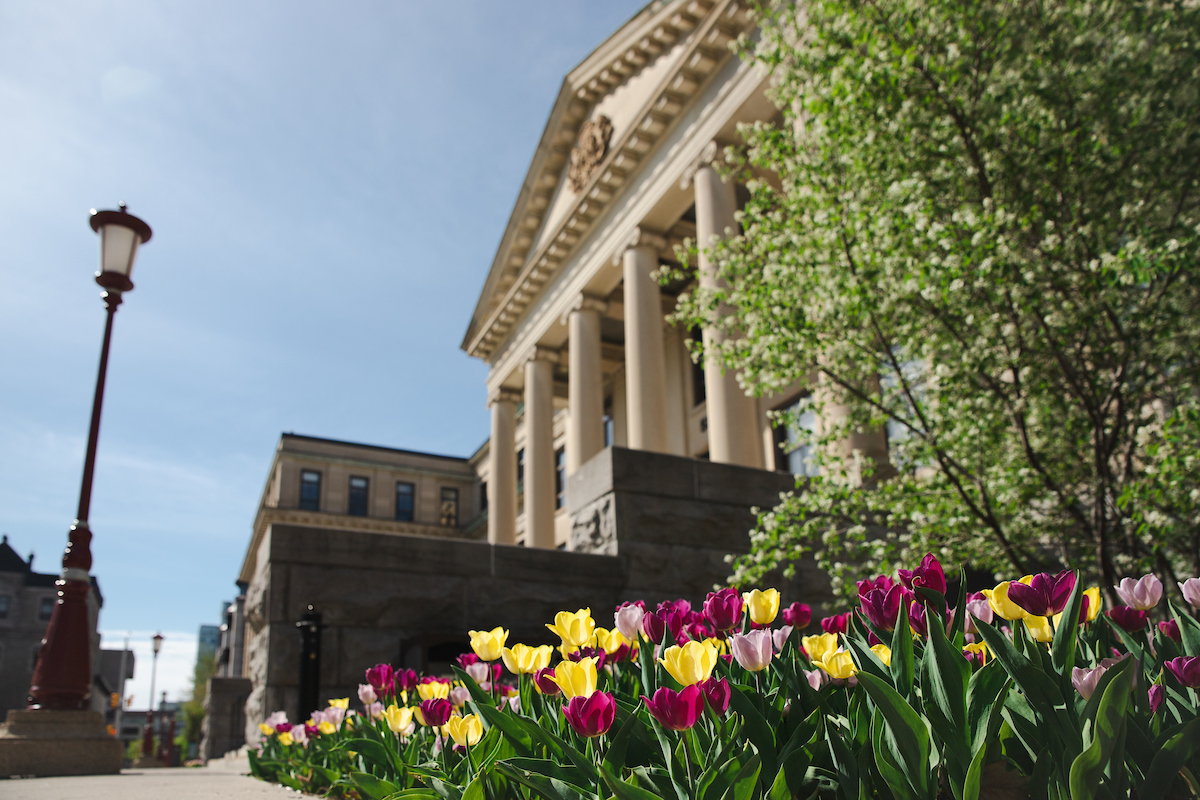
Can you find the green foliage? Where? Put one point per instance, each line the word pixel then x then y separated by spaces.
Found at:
pixel 193 709
pixel 976 228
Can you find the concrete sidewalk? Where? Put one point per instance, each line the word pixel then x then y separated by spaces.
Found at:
pixel 188 783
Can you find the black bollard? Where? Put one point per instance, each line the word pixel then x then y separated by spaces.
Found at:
pixel 310 663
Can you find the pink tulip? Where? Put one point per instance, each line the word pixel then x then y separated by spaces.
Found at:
pixel 798 615
pixel 978 608
pixel 814 677
pixel 878 582
pixel 928 575
pixel 1046 595
pixel 1186 670
pixel 676 711
pixel 335 715
pixel 1085 680
pixel 779 638
pixel 374 710
pixel 716 694
pixel 366 694
pixel 629 621
pixel 592 715
pixel 838 623
pixel 514 704
pixel 1191 591
pixel 459 695
pixel 723 608
pixel 752 650
pixel 1142 594
pixel 300 735
pixel 478 672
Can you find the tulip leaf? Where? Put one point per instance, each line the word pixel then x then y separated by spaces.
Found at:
pixel 373 787
pixel 1189 629
pixel 1169 760
pixel 418 793
pixel 549 788
pixel 1063 649
pixel 888 759
pixel 864 658
pixel 791 776
pixel 474 790
pixel 549 768
pixel 372 752
pixel 757 729
pixel 945 674
pixel 909 734
pixel 510 725
pixel 1043 693
pixel 1108 735
pixel 746 780
pixel 902 654
pixel 625 791
pixel 986 692
pixel 614 759
pixel 960 610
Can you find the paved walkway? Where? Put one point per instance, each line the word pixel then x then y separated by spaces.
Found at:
pixel 193 783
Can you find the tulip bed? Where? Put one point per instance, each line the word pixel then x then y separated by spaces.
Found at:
pixel 1027 689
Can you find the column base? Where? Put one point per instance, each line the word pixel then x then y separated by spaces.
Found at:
pixel 46 743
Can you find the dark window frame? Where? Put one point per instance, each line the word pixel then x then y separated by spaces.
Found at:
pixel 448 494
pixel 310 503
pixel 412 501
pixel 560 478
pixel 779 432
pixel 358 498
pixel 5 606
pixel 46 608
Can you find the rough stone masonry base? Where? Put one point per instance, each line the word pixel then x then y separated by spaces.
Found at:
pixel 57 743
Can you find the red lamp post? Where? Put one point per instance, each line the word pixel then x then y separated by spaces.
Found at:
pixel 63 677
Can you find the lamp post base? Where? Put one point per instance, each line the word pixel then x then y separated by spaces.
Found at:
pixel 43 742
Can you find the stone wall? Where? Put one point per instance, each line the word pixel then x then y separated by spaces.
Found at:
pixel 224 726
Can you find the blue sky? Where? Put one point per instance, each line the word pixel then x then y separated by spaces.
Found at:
pixel 327 184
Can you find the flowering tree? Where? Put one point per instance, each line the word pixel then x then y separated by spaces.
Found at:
pixel 976 228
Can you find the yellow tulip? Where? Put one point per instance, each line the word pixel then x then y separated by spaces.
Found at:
pixel 434 690
pixel 883 653
pixel 1004 608
pixel 521 659
pixel 722 645
pixel 576 629
pixel 398 718
pixel 465 731
pixel 820 646
pixel 285 738
pixel 690 664
pixel 610 641
pixel 326 727
pixel 266 729
pixel 839 665
pixel 982 649
pixel 764 606
pixel 1039 628
pixel 1093 606
pixel 488 644
pixel 576 678
pixel 343 703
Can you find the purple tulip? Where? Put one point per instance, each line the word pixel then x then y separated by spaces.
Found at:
pixel 436 712
pixel 716 694
pixel 544 680
pixel 838 623
pixel 1142 594
pixel 917 619
pixel 1157 693
pixel 406 680
pixel 1130 619
pixel 592 715
pixel 929 575
pixel 283 727
pixel 798 615
pixel 723 609
pixel 676 711
pixel 654 626
pixel 1045 595
pixel 1170 629
pixel 1186 670
pixel 590 652
pixel 881 607
pixel 379 677
pixel 878 582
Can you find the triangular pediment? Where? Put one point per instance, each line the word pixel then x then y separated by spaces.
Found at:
pixel 610 113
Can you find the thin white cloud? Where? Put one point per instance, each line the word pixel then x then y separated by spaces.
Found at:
pixel 176 663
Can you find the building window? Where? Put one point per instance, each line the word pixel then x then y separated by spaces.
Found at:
pixel 449 516
pixel 560 477
pixel 46 608
pixel 521 470
pixel 609 429
pixel 483 500
pixel 5 605
pixel 793 448
pixel 310 490
pixel 359 489
pixel 405 501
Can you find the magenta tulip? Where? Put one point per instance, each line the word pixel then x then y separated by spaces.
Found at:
pixel 466 659
pixel 654 626
pixel 283 727
pixel 436 712
pixel 544 678
pixel 1186 670
pixel 676 711
pixel 589 652
pixel 1170 629
pixel 881 607
pixel 1156 698
pixel 1045 595
pixel 798 615
pixel 838 623
pixel 917 619
pixel 379 677
pixel 716 694
pixel 406 680
pixel 1130 619
pixel 592 715
pixel 878 582
pixel 723 609
pixel 682 606
pixel 928 575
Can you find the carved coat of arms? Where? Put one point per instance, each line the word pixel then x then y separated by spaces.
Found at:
pixel 589 151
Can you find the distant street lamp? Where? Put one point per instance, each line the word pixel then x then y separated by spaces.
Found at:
pixel 148 732
pixel 63 677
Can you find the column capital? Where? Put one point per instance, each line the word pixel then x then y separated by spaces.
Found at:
pixel 505 394
pixel 640 237
pixel 540 352
pixel 707 156
pixel 584 301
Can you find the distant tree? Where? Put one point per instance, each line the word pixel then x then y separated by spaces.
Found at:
pixel 976 227
pixel 193 709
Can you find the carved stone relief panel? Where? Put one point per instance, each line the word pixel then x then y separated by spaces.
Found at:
pixel 589 151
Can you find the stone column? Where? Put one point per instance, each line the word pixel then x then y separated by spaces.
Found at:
pixel 502 482
pixel 585 388
pixel 733 435
pixel 539 448
pixel 645 360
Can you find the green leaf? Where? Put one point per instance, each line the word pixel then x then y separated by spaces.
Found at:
pixel 549 788
pixel 945 675
pixel 372 786
pixel 888 759
pixel 623 791
pixel 373 752
pixel 757 729
pixel 474 790
pixel 549 769
pixel 790 778
pixel 1189 630
pixel 970 790
pixel 746 781
pixel 908 731
pixel 1168 761
pixel 1063 650
pixel 985 696
pixel 614 758
pixel 1043 692
pixel 510 725
pixel 419 793
pixel 1108 734
pixel 902 654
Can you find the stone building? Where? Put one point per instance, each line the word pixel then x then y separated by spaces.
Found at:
pixel 616 468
